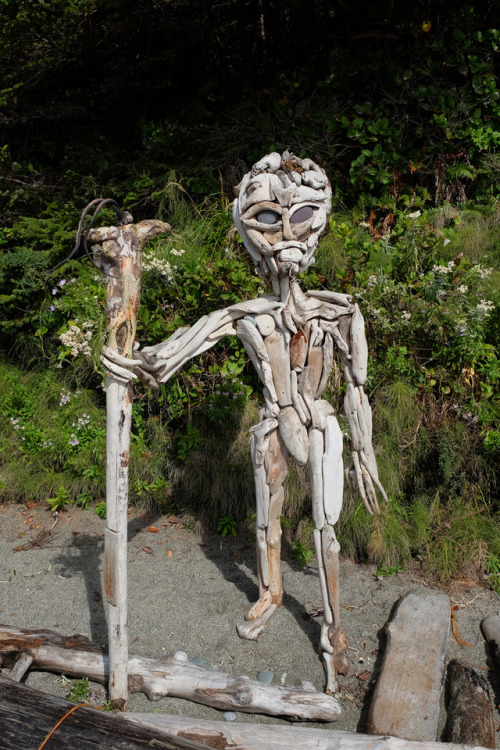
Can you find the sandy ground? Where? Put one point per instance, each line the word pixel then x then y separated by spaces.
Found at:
pixel 187 593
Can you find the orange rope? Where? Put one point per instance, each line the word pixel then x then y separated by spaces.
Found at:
pixel 80 705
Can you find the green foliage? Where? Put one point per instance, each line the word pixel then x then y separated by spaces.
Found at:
pixel 79 691
pixel 59 501
pixel 301 553
pixel 386 571
pixel 227 526
pixel 100 510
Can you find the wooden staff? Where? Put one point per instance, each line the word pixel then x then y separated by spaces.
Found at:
pixel 119 255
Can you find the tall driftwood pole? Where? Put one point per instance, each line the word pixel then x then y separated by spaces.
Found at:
pixel 118 252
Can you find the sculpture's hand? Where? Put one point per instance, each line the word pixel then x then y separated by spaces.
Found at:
pixel 362 471
pixel 363 475
pixel 124 369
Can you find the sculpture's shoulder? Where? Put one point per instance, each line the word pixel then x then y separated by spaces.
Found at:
pixel 269 303
pixel 320 303
pixel 333 298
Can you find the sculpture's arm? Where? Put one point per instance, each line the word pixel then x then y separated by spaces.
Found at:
pixel 161 361
pixel 353 352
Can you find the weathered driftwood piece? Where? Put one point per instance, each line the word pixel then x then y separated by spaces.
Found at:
pixel 407 695
pixel 27 716
pixel 220 734
pixel 176 676
pixel 118 252
pixel 491 631
pixel 470 713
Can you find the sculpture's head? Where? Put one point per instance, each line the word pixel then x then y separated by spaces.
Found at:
pixel 281 211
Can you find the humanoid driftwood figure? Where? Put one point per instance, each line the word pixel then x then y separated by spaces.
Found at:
pixel 281 211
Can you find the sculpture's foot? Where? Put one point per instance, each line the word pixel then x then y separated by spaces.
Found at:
pixel 251 629
pixel 333 648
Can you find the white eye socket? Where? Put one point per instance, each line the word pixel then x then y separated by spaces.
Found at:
pixel 302 214
pixel 268 217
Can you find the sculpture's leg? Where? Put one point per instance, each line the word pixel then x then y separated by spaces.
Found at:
pixel 270 460
pixel 326 451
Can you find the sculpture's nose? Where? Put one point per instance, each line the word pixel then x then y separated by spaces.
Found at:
pixel 287 229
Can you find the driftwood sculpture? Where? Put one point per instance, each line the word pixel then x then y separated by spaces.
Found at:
pixel 281 211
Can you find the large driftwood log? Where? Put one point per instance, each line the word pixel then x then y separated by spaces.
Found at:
pixel 222 735
pixel 407 697
pixel 470 713
pixel 27 716
pixel 76 656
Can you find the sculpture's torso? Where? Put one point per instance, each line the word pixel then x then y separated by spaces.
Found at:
pixel 292 351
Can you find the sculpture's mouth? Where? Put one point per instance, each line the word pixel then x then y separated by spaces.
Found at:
pixel 290 256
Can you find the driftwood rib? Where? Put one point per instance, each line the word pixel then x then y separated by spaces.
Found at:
pixel 76 656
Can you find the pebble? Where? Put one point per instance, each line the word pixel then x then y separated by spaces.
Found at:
pixel 212 668
pixel 266 676
pixel 283 678
pixel 229 716
pixel 365 634
pixel 198 660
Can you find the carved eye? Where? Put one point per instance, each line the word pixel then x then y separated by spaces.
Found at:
pixel 268 217
pixel 302 214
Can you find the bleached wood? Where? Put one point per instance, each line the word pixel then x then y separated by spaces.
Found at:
pixel 296 401
pixel 21 665
pixel 265 323
pixel 298 350
pixel 351 401
pixel 118 251
pixel 333 470
pixel 359 347
pixel 316 450
pixel 294 434
pixel 241 736
pixel 327 613
pixel 407 697
pixel 327 364
pixel 327 296
pixel 280 358
pixel 331 548
pixel 315 365
pixel 273 538
pixel 176 676
pixel 276 461
pixel 260 606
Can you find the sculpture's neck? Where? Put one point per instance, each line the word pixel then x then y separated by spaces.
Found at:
pixel 281 287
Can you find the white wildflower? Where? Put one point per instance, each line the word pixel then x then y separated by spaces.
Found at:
pixel 364 224
pixel 462 289
pixel 446 241
pixel 485 307
pixel 444 269
pixel 177 252
pixel 372 280
pixel 159 266
pixel 415 215
pixel 406 315
pixel 77 340
pixel 483 272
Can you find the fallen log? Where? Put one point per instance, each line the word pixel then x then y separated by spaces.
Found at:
pixel 470 713
pixel 221 734
pixel 407 696
pixel 27 716
pixel 77 656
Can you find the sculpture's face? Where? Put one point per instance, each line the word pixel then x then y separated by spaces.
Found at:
pixel 281 212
